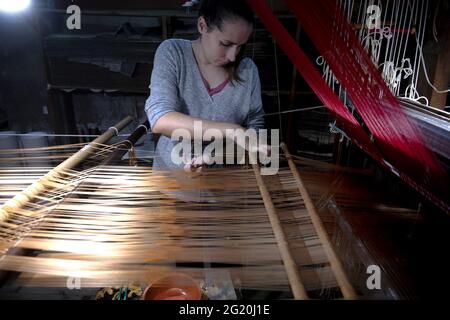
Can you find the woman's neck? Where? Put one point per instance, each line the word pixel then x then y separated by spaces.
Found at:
pixel 199 53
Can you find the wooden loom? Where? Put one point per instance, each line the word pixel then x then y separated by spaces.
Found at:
pixel 131 228
pixel 110 225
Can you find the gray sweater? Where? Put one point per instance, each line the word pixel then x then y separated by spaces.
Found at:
pixel 177 85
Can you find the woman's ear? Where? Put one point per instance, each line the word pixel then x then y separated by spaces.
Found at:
pixel 201 25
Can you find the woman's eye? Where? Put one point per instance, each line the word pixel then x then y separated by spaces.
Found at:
pixel 225 44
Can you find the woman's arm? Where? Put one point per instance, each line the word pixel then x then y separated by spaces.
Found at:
pixel 171 121
pixel 255 118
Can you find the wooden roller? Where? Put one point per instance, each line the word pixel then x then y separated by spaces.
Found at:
pixel 40 185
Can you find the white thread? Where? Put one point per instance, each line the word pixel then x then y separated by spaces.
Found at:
pixel 278 82
pixel 407 31
pixel 425 71
pixel 435 35
pixel 335 129
pixel 402 24
pixel 411 93
pixel 47 135
pixel 421 33
pixel 295 110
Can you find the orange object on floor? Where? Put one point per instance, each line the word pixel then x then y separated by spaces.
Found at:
pixel 175 286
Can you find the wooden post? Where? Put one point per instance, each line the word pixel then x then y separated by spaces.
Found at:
pixel 343 282
pixel 437 58
pixel 441 77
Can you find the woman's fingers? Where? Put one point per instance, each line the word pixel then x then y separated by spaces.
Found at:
pixel 195 165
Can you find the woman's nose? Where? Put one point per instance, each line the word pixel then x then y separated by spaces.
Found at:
pixel 231 54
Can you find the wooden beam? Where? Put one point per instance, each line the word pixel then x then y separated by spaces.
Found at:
pixel 27 195
pixel 346 288
pixel 298 289
pixel 441 76
pixel 437 58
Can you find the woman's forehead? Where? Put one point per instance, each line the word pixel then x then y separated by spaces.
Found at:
pixel 236 31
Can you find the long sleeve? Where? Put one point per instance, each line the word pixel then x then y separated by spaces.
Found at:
pixel 255 119
pixel 164 92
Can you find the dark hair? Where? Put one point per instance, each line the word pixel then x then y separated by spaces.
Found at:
pixel 216 12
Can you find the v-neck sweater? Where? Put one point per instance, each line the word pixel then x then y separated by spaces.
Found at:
pixel 177 85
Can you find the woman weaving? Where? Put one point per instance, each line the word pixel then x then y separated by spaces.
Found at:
pixel 205 80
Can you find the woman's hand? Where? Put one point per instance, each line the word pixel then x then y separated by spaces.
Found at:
pixel 196 164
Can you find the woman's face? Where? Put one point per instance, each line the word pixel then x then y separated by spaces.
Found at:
pixel 221 47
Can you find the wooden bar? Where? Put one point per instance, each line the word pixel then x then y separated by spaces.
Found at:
pixel 40 185
pixel 347 289
pixel 296 283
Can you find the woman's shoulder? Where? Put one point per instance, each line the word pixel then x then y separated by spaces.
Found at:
pixel 247 65
pixel 174 45
pixel 248 71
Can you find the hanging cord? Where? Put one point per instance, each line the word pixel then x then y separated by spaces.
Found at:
pixel 421 34
pixel 278 89
pixel 278 80
pixel 401 22
pixel 336 129
pixel 435 34
pixel 425 71
pixel 411 92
